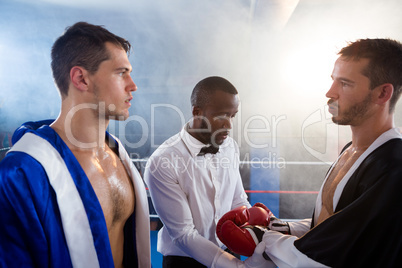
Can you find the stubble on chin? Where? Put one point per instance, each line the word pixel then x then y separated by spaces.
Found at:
pixel 354 115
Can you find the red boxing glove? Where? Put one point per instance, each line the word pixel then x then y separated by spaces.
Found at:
pixel 237 239
pixel 239 216
pixel 230 227
pixel 259 215
pixel 274 224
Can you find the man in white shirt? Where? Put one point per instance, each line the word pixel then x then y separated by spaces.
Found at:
pixel 194 179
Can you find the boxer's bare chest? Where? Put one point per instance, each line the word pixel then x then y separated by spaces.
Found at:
pixel 114 190
pixel 111 183
pixel 345 162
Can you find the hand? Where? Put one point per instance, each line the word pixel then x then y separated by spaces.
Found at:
pixel 278 225
pixel 258 259
pixel 230 227
pixel 259 215
pixel 237 239
pixel 239 216
pixel 275 224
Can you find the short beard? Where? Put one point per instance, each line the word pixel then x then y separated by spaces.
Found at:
pixel 206 136
pixel 354 114
pixel 107 113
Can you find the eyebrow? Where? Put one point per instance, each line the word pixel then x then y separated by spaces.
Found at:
pixel 226 112
pixel 343 79
pixel 124 69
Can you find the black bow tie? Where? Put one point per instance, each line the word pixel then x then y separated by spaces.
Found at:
pixel 208 150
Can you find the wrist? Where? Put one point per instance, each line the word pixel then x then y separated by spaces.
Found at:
pixel 279 226
pixel 223 259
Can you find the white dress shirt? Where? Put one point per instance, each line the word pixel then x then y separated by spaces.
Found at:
pixel 191 193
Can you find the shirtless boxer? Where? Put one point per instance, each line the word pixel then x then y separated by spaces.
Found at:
pixel 70 196
pixel 357 218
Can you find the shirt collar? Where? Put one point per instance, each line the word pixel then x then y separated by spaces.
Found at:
pixel 193 145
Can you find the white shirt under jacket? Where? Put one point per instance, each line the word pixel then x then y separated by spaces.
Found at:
pixel 191 193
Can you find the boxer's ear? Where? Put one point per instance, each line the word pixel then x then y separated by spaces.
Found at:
pixel 383 93
pixel 196 110
pixel 78 77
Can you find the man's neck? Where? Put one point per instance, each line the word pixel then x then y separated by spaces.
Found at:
pixel 365 134
pixel 82 131
pixel 196 133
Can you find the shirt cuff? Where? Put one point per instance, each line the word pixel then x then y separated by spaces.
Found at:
pixel 223 259
pixel 299 228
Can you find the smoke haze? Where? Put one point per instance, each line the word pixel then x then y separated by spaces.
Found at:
pixel 278 54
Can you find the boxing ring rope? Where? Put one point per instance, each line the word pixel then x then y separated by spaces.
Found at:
pixel 316 163
pixel 144 160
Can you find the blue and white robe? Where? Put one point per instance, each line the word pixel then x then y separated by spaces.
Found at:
pixel 50 214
